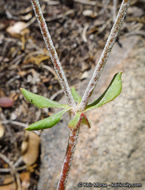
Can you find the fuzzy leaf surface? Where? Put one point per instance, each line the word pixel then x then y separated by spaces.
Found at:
pixel 75 95
pixel 48 122
pixel 40 101
pixel 113 90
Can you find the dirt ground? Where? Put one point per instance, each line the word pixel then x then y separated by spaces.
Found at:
pixel 79 32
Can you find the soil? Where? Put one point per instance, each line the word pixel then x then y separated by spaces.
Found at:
pixel 78 35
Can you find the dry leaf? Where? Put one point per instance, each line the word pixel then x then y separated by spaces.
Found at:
pixel 25 178
pixel 24 147
pixel 17 29
pixel 37 59
pixel 31 154
pixel 2 130
pixel 8 184
pixel 84 75
pixel 90 13
pixel 26 17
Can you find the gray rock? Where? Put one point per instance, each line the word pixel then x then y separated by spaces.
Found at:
pixel 113 149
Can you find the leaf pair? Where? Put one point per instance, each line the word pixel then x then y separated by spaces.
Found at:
pixel 113 90
pixel 42 102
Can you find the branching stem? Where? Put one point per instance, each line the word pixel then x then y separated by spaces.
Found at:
pixel 52 52
pixel 105 54
pixel 96 75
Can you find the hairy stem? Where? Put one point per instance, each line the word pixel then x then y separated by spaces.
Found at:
pixel 68 158
pixel 52 51
pixel 105 54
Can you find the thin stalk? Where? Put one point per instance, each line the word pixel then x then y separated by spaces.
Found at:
pixel 52 52
pixel 105 54
pixel 68 158
pixel 72 141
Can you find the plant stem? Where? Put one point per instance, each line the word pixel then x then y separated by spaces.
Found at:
pixel 73 137
pixel 105 54
pixel 52 52
pixel 68 158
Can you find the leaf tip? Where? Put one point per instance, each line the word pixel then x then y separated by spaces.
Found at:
pixel 28 129
pixel 22 90
pixel 120 74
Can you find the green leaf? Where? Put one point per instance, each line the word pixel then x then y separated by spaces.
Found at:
pixel 48 122
pixel 40 101
pixel 113 90
pixel 75 95
pixel 74 122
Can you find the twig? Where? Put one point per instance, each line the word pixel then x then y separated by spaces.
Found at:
pixel 84 33
pixel 15 123
pixel 52 51
pixel 13 171
pixel 115 2
pixel 8 170
pixel 105 54
pixel 51 71
pixel 56 94
pixel 18 124
pixel 136 33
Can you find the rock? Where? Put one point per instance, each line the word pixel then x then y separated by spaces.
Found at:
pixel 113 149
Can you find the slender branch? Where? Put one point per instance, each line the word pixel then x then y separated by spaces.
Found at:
pixel 105 54
pixel 52 51
pixel 73 137
pixel 68 158
pixel 13 171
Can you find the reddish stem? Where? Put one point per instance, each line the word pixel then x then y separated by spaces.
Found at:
pixel 105 54
pixel 52 52
pixel 68 158
pixel 72 141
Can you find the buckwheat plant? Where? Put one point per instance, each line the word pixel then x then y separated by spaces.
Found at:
pixel 76 105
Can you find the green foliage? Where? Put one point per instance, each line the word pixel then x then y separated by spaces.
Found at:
pixel 73 122
pixel 113 90
pixel 48 122
pixel 75 95
pixel 40 101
